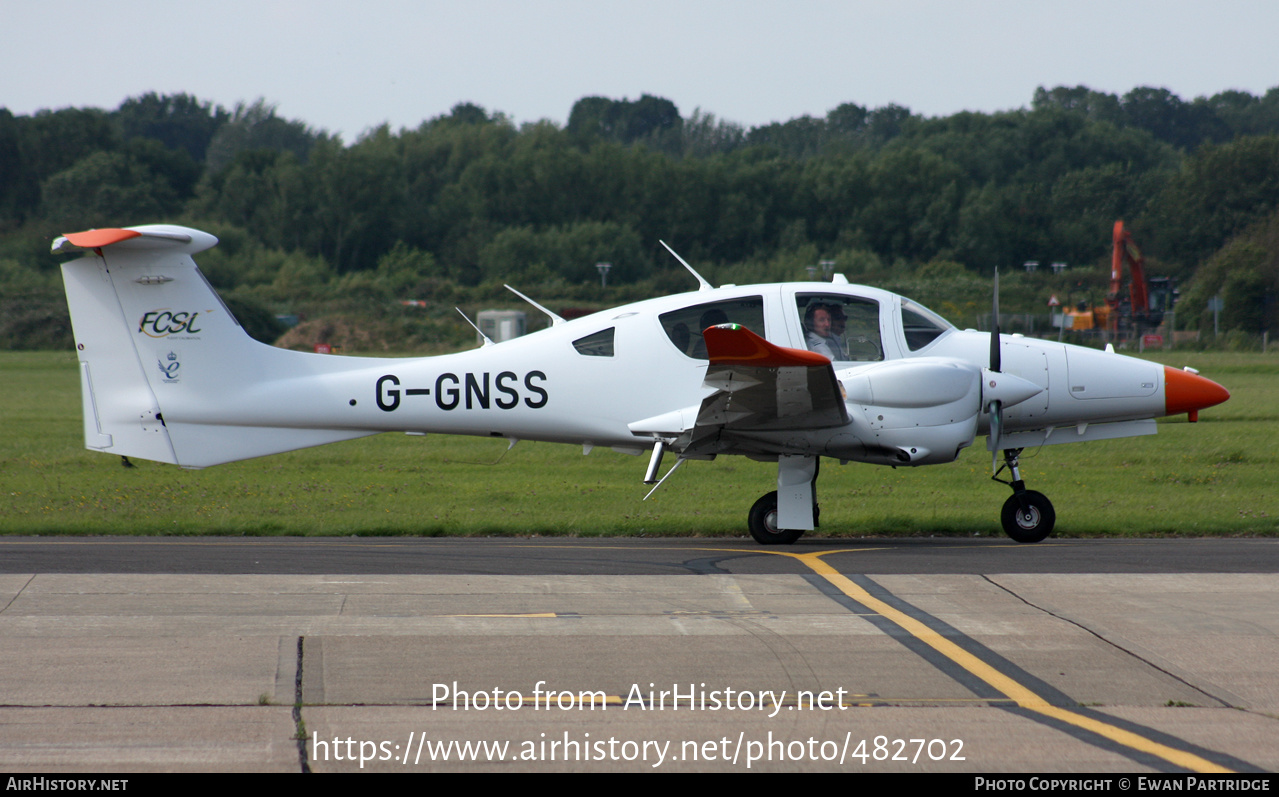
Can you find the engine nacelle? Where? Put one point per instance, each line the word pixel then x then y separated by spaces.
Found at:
pixel 925 445
pixel 910 412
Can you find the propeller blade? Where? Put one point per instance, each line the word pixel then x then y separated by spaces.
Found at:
pixel 994 328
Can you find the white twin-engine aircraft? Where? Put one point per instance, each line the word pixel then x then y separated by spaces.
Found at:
pixel 784 373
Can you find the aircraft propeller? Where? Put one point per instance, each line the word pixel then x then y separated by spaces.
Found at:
pixel 994 331
pixel 995 408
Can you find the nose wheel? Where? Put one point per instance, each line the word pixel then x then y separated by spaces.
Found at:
pixel 1027 515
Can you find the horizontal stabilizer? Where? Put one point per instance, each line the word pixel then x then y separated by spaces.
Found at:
pixel 205 445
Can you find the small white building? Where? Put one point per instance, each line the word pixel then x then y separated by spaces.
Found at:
pixel 500 325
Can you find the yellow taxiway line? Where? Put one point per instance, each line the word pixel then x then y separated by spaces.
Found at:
pixel 1018 693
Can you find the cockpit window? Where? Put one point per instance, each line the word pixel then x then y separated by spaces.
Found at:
pixel 843 328
pixel 684 326
pixel 599 344
pixel 921 325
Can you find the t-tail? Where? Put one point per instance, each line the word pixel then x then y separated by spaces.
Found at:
pixel 166 371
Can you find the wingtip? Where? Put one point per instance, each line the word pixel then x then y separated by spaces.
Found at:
pixel 734 344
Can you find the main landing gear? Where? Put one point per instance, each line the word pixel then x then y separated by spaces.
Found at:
pixel 782 516
pixel 1028 515
pixel 763 523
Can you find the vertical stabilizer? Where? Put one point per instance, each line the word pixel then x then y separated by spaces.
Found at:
pixel 121 414
pixel 166 371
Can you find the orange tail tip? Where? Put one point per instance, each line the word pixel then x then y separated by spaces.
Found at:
pixel 91 239
pixel 734 344
pixel 1189 393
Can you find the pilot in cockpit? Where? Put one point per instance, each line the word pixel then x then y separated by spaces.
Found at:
pixel 817 331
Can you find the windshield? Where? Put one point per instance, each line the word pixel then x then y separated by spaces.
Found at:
pixel 921 325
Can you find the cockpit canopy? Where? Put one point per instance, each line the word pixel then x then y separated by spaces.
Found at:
pixel 847 323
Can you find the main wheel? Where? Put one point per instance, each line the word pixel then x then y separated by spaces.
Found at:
pixel 1032 524
pixel 763 523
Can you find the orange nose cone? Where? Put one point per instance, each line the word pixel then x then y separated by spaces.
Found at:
pixel 1187 392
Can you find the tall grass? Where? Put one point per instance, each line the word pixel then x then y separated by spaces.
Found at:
pixel 1217 477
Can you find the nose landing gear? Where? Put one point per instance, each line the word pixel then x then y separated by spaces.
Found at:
pixel 1027 515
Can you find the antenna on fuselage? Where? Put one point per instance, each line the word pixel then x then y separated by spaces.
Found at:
pixel 487 341
pixel 703 285
pixel 555 319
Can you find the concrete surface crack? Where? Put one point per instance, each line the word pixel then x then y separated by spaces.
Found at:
pixel 19 592
pixel 298 724
pixel 1112 643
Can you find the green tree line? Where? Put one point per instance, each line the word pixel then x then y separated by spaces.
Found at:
pixel 468 198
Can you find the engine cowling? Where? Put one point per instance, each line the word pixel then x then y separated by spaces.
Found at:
pixel 921 411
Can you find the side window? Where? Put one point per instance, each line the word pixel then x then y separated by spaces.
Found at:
pixel 921 325
pixel 684 326
pixel 843 328
pixel 599 344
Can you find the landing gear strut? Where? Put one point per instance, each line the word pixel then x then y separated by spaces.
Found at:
pixel 1027 515
pixel 769 522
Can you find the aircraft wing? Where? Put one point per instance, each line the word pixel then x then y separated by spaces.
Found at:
pixel 760 387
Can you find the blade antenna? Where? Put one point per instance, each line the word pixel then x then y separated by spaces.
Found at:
pixel 487 342
pixel 555 319
pixel 703 285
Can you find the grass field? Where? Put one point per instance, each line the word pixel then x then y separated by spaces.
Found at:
pixel 1217 477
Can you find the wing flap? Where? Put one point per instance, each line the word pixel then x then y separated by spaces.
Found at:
pixel 764 387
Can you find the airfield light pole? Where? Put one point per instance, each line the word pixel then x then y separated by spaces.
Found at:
pixel 827 267
pixel 603 269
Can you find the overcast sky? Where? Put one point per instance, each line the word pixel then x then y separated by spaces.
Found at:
pixel 349 66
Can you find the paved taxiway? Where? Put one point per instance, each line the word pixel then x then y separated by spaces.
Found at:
pixel 202 654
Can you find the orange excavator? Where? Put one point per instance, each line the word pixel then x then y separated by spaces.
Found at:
pixel 1143 309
